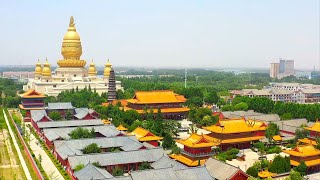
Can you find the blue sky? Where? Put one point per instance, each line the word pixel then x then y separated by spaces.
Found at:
pixel 178 33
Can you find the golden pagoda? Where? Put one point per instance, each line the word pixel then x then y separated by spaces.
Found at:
pixel 46 71
pixel 71 49
pixel 38 69
pixel 71 72
pixel 92 69
pixel 107 69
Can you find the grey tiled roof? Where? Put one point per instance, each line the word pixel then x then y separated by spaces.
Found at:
pixel 123 157
pixel 158 174
pixel 69 123
pixel 92 172
pixel 63 133
pixel 37 115
pixel 61 105
pixel 196 173
pixel 80 113
pixel 291 125
pixel 166 162
pixel 75 146
pixel 220 170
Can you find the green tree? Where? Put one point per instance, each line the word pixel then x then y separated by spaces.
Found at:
pixel 91 148
pixel 261 104
pixel 79 133
pixel 294 176
pixel 194 102
pixel 55 115
pixel 211 97
pixel 241 106
pixel 301 133
pixel 117 171
pixel 280 165
pixel 301 168
pixel 130 116
pixel 69 115
pixel 252 171
pixel 227 107
pixel 167 142
pixel 286 116
pixel 144 165
pixel 272 130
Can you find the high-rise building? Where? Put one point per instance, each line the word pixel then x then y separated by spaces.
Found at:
pixel 274 70
pixel 289 68
pixel 282 66
pixel 282 69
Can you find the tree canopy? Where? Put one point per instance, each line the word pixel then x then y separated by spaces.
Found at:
pixel 79 133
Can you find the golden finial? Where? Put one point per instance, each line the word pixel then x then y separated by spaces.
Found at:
pixel 71 23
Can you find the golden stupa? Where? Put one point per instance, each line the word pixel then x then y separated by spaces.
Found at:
pixel 92 71
pixel 71 49
pixel 107 69
pixel 46 70
pixel 38 69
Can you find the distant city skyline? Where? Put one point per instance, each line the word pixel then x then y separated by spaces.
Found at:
pixel 181 34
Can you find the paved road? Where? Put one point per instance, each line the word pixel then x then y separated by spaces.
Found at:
pixel 46 163
pixel 23 163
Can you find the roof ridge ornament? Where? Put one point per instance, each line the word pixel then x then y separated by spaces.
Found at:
pixel 71 23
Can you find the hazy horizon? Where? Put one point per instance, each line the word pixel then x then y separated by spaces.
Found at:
pixel 181 34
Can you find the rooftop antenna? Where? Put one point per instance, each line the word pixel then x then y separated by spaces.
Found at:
pixel 185 78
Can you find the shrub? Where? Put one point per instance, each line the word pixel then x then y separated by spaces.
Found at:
pixel 78 167
pixel 252 171
pixel 275 149
pixel 117 171
pixel 79 133
pixel 91 148
pixel 301 168
pixel 144 165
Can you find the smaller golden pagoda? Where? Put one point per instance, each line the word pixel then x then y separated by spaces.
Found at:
pixel 107 69
pixel 92 69
pixel 46 70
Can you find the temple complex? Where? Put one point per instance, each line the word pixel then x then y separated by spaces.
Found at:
pixel 237 133
pixel 197 149
pixel 169 103
pixel 307 153
pixel 31 100
pixel 71 72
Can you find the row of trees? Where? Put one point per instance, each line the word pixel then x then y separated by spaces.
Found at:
pixel 265 105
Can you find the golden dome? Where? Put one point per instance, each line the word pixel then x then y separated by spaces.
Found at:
pixel 71 49
pixel 107 69
pixel 92 69
pixel 46 70
pixel 38 69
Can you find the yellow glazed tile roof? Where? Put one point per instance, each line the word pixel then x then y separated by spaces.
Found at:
pixel 303 151
pixel 277 138
pixel 106 121
pixel 308 163
pixel 152 97
pixel 185 160
pixel 236 126
pixel 238 140
pixel 196 141
pixel 314 127
pixel 141 135
pixel 308 141
pixel 166 110
pixel 122 128
pixel 31 93
pixel 265 174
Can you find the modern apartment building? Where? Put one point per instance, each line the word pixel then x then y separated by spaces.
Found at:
pixel 282 69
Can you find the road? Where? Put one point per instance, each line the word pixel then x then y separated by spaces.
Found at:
pixel 22 161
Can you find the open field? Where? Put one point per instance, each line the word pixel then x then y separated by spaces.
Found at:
pixel 10 167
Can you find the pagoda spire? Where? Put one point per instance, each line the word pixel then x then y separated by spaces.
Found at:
pixel 112 86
